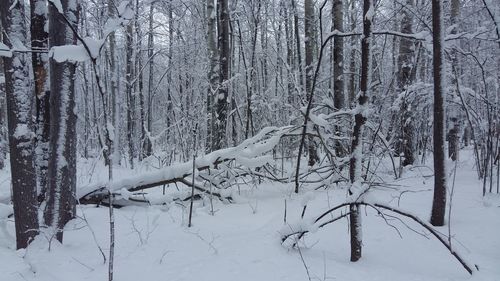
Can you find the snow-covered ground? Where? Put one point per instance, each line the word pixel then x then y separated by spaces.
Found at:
pixel 242 240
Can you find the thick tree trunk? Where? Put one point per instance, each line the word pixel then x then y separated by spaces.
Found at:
pixel 405 79
pixel 355 167
pixel 39 60
pixel 19 104
pixel 213 77
pixel 439 200
pixel 222 96
pixel 61 193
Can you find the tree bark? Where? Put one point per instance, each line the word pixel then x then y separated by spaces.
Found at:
pixel 222 96
pixel 130 97
pixel 115 150
pixel 405 78
pixel 147 142
pixel 338 65
pixel 439 199
pixel 61 193
pixel 453 133
pixel 19 104
pixel 213 77
pixel 309 24
pixel 338 55
pixel 355 166
pixel 3 110
pixel 39 61
pixel 352 55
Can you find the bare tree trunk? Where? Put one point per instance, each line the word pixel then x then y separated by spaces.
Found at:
pixel 338 55
pixel 289 55
pixel 309 56
pixel 453 133
pixel 222 96
pixel 115 150
pixel 3 110
pixel 338 63
pixel 439 200
pixel 61 199
pixel 352 55
pixel 297 48
pixel 147 142
pixel 355 167
pixel 39 60
pixel 405 78
pixel 252 84
pixel 170 113
pixel 213 77
pixel 19 104
pixel 130 96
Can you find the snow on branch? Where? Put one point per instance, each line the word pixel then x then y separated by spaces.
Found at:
pixel 249 154
pixel 89 48
pixel 299 229
pixel 5 51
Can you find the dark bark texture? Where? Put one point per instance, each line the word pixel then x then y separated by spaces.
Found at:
pixel 222 96
pixel 359 123
pixel 61 193
pixel 19 104
pixel 439 200
pixel 39 40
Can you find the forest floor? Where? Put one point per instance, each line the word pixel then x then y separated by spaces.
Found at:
pixel 242 240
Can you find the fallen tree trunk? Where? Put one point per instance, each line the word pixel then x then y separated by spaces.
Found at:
pixel 250 154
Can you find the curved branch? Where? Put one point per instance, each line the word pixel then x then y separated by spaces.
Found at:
pixel 470 268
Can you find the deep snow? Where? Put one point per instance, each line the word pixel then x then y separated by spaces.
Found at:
pixel 242 240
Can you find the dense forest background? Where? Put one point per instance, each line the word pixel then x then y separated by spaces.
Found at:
pixel 219 96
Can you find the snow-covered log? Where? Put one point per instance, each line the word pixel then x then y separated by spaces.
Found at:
pixel 249 154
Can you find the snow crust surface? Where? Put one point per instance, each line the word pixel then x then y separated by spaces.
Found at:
pixel 242 240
